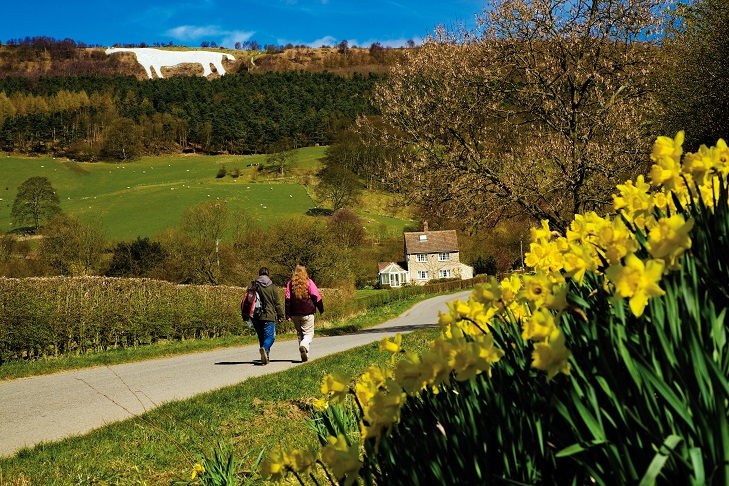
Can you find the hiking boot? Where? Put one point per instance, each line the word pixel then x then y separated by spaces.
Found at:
pixel 304 354
pixel 264 356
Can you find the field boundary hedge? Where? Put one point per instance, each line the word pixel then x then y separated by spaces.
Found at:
pixel 75 315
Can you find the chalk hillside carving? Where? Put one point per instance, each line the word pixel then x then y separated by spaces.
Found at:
pixel 157 59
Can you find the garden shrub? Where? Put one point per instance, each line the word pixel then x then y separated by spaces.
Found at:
pixel 607 364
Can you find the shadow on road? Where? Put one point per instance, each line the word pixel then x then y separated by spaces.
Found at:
pixel 255 362
pixel 407 328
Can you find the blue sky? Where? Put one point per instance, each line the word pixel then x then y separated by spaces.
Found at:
pixel 189 22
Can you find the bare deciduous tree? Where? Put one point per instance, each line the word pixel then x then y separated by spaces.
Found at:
pixel 537 111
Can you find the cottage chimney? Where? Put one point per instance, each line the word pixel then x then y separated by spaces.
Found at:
pixel 425 226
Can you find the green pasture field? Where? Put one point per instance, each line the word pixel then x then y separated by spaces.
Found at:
pixel 144 197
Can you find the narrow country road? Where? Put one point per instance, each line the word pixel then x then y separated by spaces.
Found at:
pixel 50 408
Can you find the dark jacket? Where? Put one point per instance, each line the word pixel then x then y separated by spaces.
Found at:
pixel 303 307
pixel 272 309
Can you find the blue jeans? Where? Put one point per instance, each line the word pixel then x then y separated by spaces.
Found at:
pixel 266 331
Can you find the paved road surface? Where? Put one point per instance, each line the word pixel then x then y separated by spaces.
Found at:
pixel 49 408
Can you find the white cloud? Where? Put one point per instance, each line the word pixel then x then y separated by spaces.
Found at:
pixel 327 40
pixel 192 32
pixel 231 38
pixel 226 38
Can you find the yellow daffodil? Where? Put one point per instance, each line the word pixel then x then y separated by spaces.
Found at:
pixel 509 288
pixel 320 405
pixel 391 346
pixel 636 281
pixel 197 470
pixel 666 170
pixel 446 319
pixel 276 465
pixel 383 410
pixel 335 386
pixel 665 147
pixel 615 241
pixel 488 292
pixel 535 289
pixel 304 460
pixel 578 260
pixel 669 239
pixel 552 355
pixel 541 233
pixel 634 199
pixel 539 326
pixel 342 459
pixel 407 373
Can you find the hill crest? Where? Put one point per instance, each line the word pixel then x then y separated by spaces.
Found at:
pixel 65 58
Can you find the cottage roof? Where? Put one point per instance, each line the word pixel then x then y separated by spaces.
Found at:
pixel 431 242
pixel 382 266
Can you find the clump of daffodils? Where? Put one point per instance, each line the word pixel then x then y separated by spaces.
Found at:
pixel 631 250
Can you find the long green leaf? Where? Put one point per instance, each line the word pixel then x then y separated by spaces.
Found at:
pixel 656 465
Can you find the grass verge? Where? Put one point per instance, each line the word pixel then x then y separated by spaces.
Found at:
pixel 162 445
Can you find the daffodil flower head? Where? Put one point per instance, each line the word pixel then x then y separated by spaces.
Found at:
pixel 276 464
pixel 636 281
pixel 665 147
pixel 488 292
pixel 197 470
pixel 342 459
pixel 535 289
pixel 634 199
pixel 579 260
pixel 669 239
pixel 721 162
pixel 319 404
pixel 335 386
pixel 436 366
pixel 541 233
pixel 539 326
pixel 391 346
pixel 616 240
pixel 408 373
pixel 446 319
pixel 585 226
pixel 509 288
pixel 552 355
pixel 700 163
pixel 304 459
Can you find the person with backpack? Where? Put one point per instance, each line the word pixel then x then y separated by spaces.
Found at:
pixel 302 301
pixel 271 312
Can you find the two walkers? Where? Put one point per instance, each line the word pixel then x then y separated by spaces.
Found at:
pixel 301 302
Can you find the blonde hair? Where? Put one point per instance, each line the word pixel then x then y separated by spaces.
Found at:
pixel 300 283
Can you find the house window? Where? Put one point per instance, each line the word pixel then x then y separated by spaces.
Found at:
pixel 444 274
pixel 422 275
pixel 421 257
pixel 444 257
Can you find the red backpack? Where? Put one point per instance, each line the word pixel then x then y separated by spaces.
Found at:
pixel 251 307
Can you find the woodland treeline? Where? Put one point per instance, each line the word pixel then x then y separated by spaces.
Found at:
pixel 91 118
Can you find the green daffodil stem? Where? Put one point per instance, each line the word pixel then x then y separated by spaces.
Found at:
pixel 298 478
pixel 326 471
pixel 356 400
pixel 476 324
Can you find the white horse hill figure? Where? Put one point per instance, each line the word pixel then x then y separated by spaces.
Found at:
pixel 157 58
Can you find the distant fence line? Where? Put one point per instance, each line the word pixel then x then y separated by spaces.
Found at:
pixel 75 315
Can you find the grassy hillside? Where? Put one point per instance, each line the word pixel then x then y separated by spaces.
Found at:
pixel 44 57
pixel 144 197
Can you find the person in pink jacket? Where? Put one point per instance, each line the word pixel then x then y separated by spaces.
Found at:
pixel 302 301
